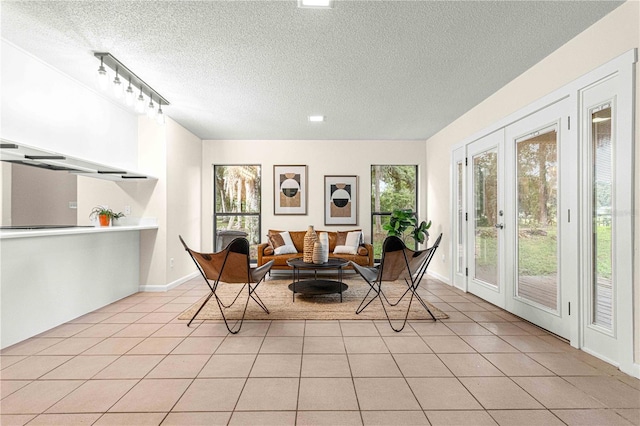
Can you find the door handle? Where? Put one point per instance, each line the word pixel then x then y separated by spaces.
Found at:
pixel 499 225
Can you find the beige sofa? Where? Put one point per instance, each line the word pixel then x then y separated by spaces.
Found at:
pixel 265 250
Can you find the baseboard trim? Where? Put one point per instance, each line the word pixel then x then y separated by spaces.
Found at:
pixel 440 277
pixel 600 357
pixel 168 286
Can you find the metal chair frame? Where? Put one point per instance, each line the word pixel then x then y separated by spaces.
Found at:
pixel 415 264
pixel 254 276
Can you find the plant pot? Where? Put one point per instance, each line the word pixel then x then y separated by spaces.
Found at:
pixel 104 219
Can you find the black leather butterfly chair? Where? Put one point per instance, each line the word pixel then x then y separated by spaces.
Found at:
pixel 398 264
pixel 230 265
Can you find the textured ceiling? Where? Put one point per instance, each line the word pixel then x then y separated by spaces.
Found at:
pixel 257 69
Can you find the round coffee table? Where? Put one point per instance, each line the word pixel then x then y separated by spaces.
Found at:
pixel 316 286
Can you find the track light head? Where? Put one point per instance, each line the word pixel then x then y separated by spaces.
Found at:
pixel 103 78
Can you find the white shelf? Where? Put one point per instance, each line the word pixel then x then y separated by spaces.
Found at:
pixel 13 152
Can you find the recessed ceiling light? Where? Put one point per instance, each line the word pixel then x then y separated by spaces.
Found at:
pixel 319 4
pixel 316 118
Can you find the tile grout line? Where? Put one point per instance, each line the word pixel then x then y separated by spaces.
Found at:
pixel 246 380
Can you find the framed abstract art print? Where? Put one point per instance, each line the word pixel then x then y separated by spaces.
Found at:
pixel 341 200
pixel 289 190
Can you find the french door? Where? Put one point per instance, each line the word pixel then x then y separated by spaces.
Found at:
pixel 485 218
pixel 519 186
pixel 541 193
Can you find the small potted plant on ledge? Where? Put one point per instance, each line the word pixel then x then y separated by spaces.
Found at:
pixel 404 219
pixel 104 215
pixel 115 216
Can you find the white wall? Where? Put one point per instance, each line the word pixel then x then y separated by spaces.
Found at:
pixel 608 38
pixel 353 157
pixel 45 108
pixel 184 186
pixel 153 245
pixel 173 155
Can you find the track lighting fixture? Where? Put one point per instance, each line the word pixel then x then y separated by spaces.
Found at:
pixel 129 95
pixel 103 78
pixel 117 85
pixel 140 103
pixel 159 113
pixel 151 108
pixel 122 72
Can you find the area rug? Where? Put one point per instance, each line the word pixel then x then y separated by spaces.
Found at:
pixel 278 298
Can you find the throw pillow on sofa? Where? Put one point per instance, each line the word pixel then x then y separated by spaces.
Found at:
pixel 282 243
pixel 351 244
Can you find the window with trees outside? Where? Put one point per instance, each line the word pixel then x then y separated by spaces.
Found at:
pixel 237 203
pixel 392 187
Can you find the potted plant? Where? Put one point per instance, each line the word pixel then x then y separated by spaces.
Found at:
pixel 405 220
pixel 104 215
pixel 116 216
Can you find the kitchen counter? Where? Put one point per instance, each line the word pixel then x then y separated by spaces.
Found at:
pixel 26 233
pixel 51 276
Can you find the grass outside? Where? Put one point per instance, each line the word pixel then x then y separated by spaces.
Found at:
pixel 537 250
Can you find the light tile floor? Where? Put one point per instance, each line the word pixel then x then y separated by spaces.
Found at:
pixel 134 363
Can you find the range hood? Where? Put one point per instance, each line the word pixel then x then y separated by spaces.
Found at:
pixel 13 152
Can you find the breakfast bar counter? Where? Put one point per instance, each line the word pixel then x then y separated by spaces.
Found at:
pixel 51 276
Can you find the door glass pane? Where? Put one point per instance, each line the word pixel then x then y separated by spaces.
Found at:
pixel 460 230
pixel 537 177
pixel 602 147
pixel 485 194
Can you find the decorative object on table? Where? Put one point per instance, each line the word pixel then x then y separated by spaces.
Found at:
pixel 104 215
pixel 289 190
pixel 341 200
pixel 309 240
pixel 321 248
pixel 405 220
